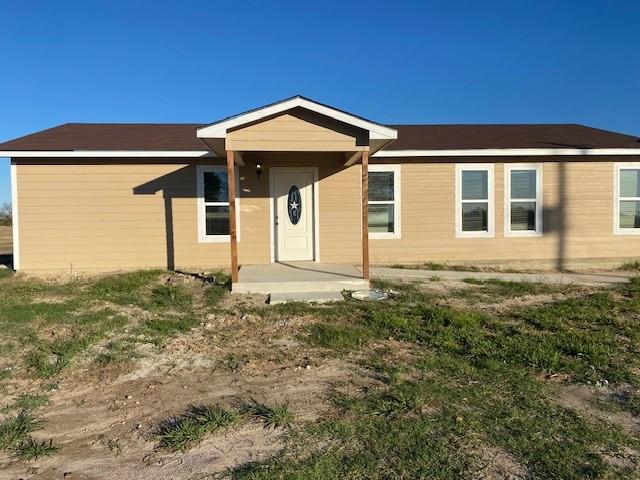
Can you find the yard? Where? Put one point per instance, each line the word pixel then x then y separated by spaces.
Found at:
pixel 161 375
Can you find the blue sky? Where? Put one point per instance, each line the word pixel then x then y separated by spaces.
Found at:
pixel 396 62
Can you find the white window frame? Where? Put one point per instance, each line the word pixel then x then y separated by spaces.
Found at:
pixel 463 167
pixel 396 234
pixel 202 230
pixel 617 230
pixel 508 200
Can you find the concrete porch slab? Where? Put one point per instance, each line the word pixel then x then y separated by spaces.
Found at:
pixel 298 277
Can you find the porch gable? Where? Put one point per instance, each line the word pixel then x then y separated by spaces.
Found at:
pixel 298 130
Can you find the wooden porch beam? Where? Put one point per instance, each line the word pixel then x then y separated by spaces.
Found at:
pixel 238 158
pixel 352 158
pixel 231 188
pixel 365 215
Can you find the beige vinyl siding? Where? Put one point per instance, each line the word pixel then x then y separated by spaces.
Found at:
pixel 105 217
pixel 78 216
pixel 580 192
pixel 84 215
pixel 301 132
pixel 340 213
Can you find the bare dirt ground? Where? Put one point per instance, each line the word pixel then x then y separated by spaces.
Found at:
pixel 85 415
pixel 584 398
pixel 105 420
pixel 5 241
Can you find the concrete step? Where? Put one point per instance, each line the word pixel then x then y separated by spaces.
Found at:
pixel 307 297
pixel 301 286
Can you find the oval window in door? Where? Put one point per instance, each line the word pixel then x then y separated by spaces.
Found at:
pixel 294 205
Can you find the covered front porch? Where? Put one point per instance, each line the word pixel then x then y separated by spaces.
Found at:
pixel 277 158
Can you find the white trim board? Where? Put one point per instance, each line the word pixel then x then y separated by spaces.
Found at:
pixel 508 152
pixel 108 154
pixel 219 129
pixel 14 217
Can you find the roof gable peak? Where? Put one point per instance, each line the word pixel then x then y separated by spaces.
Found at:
pixel 219 129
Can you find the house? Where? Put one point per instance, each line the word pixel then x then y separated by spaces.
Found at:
pixel 299 181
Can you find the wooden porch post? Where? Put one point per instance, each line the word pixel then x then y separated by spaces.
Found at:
pixel 365 215
pixel 231 177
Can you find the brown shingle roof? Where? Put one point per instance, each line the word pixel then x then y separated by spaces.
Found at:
pixel 105 137
pixel 110 136
pixel 462 137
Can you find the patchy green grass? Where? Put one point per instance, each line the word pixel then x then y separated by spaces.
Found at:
pixel 5 273
pixel 451 380
pixel 579 336
pixel 124 289
pixel 171 296
pixel 392 374
pixel 437 266
pixel 49 326
pixel 221 278
pixel 116 352
pixel 404 400
pixel 502 288
pixel 511 408
pixel 214 294
pixel 31 401
pixel 31 449
pixel 392 432
pixel 55 323
pixel 14 430
pixel 182 435
pixel 583 336
pixel 276 416
pixel 48 358
pixel 360 443
pixel 631 266
pixel 158 330
pixel 440 422
pixel 339 337
pixel 186 431
pixel 113 444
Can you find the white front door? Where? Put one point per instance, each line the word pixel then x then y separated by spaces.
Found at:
pixel 294 210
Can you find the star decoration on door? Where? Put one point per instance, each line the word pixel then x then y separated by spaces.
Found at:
pixel 294 205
